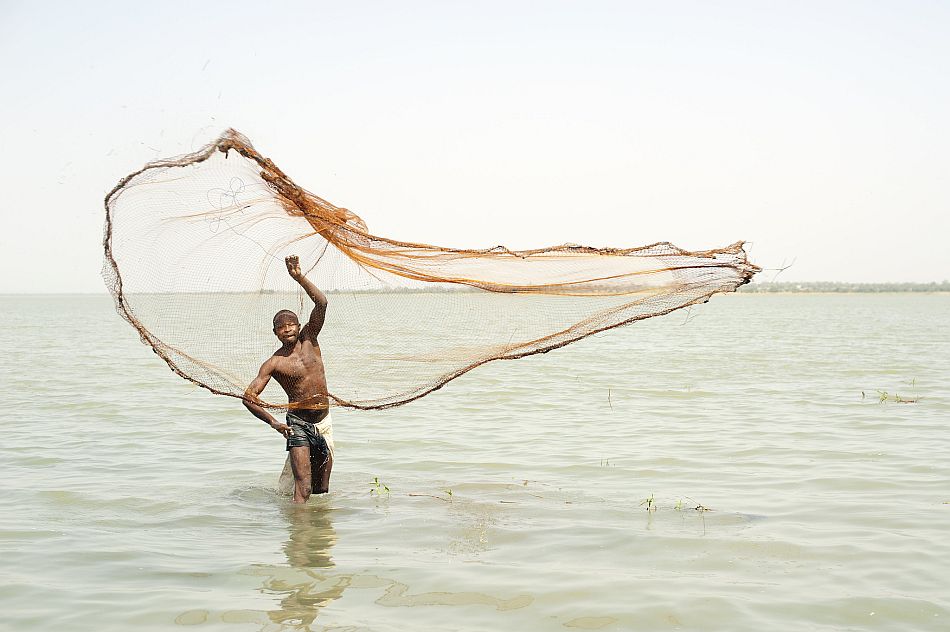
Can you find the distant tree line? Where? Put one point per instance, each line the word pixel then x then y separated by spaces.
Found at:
pixel 832 286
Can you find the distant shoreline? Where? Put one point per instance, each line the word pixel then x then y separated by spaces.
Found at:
pixel 787 287
pixel 830 287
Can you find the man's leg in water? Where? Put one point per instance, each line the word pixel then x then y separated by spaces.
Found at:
pixel 321 474
pixel 303 481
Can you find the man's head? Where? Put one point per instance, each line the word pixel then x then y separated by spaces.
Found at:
pixel 286 326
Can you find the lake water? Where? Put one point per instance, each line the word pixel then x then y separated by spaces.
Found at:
pixel 557 492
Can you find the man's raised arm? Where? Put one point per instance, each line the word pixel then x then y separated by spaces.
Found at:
pixel 317 316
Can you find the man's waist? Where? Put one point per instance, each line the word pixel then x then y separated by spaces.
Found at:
pixel 308 416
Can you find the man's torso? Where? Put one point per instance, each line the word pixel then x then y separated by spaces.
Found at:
pixel 302 375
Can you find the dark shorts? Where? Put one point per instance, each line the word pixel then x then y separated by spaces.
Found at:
pixel 304 433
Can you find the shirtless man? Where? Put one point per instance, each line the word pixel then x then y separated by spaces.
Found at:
pixel 298 368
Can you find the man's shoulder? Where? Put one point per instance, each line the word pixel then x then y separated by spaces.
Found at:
pixel 306 334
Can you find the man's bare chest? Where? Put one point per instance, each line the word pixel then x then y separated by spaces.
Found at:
pixel 303 361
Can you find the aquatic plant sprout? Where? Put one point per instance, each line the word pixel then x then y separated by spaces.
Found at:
pixel 194 249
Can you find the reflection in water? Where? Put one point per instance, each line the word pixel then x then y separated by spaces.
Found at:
pixel 304 586
pixel 310 580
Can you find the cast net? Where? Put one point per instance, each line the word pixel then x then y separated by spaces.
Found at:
pixel 194 257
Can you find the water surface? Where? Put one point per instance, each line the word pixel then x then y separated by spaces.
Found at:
pixel 518 494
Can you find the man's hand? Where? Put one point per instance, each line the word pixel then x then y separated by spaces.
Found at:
pixel 293 267
pixel 283 429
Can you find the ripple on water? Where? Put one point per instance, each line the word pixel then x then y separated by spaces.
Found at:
pixel 828 511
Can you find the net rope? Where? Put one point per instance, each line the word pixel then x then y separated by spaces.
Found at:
pixel 194 249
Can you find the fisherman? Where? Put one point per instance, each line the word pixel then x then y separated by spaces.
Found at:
pixel 298 367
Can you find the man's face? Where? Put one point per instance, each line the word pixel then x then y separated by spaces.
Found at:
pixel 286 328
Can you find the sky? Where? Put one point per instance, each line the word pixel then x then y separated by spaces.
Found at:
pixel 815 131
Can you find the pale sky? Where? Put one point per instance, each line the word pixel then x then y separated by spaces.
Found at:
pixel 817 131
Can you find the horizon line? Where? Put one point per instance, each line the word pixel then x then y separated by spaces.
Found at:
pixel 105 292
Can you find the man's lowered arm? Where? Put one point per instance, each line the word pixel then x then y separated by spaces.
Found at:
pixel 252 400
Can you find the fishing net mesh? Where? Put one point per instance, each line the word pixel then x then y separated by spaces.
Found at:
pixel 194 258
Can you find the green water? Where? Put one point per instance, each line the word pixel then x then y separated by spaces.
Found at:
pixel 131 500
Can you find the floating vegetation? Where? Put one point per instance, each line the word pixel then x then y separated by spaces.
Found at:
pixel 884 396
pixel 378 488
pixel 448 492
pixel 681 505
pixel 698 506
pixel 649 502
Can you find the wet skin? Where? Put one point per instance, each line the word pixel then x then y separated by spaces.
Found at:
pixel 298 368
